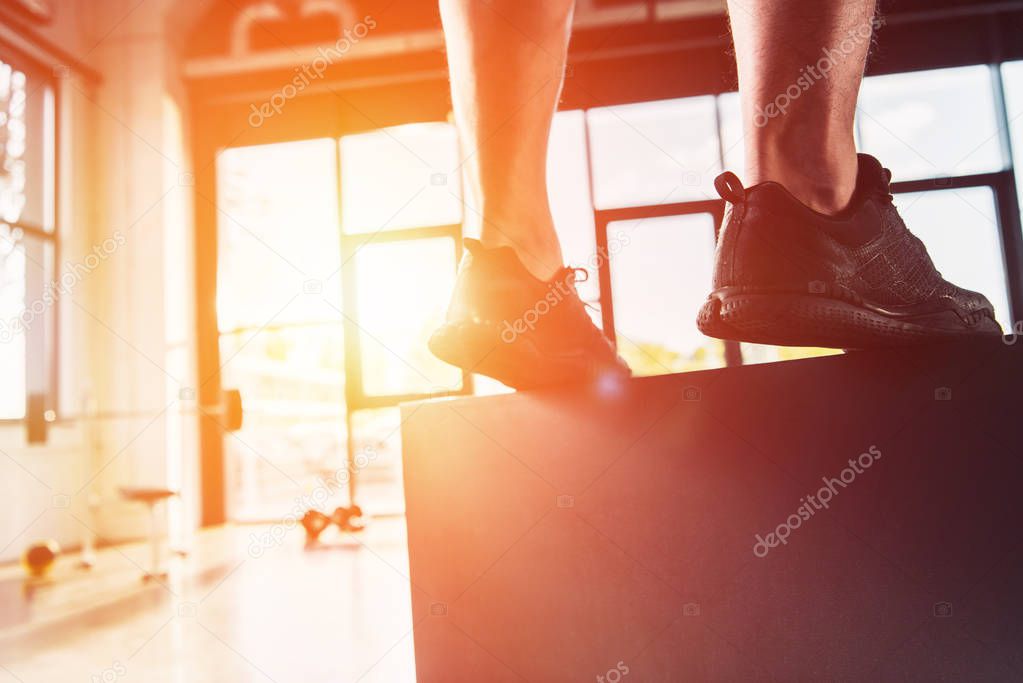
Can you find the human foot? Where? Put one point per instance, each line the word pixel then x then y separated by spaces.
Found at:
pixel 523 331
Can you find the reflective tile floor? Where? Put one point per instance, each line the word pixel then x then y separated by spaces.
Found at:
pixel 242 606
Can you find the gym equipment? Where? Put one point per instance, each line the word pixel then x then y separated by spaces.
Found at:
pixel 39 558
pixel 315 521
pixel 150 497
pixel 553 534
pixel 37 418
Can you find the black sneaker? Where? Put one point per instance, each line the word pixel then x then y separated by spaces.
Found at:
pixel 522 331
pixel 788 275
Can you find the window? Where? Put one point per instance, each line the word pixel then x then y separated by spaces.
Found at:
pixel 569 196
pixel 401 223
pixel 29 289
pixel 400 177
pixel 281 338
pixel 732 148
pixel 660 269
pixel 1012 78
pixel 917 124
pixel 654 153
pixel 960 229
pixel 336 260
pixel 403 289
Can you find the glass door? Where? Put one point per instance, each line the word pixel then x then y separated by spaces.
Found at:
pixel 335 262
pixel 281 339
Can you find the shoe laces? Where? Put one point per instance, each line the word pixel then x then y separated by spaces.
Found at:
pixel 578 308
pixel 579 275
pixel 916 243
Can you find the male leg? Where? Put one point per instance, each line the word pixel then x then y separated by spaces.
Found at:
pixel 814 253
pixel 515 314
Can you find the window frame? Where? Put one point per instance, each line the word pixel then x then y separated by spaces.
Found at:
pixel 355 394
pixel 46 372
pixel 356 397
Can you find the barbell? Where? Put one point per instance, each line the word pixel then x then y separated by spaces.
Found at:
pixel 38 418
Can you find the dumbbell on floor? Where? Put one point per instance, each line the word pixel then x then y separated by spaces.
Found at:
pixel 315 521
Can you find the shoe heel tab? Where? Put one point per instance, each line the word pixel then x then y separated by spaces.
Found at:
pixel 730 187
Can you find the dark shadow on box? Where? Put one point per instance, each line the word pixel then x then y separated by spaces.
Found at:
pixel 560 535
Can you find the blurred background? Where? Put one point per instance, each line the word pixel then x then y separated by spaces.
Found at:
pixel 205 195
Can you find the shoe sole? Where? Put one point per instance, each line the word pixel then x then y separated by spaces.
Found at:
pixel 479 348
pixel 806 320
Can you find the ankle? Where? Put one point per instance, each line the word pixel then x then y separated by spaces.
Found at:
pixel 827 193
pixel 537 247
pixel 823 178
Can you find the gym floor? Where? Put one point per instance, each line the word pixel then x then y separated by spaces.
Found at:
pixel 339 612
